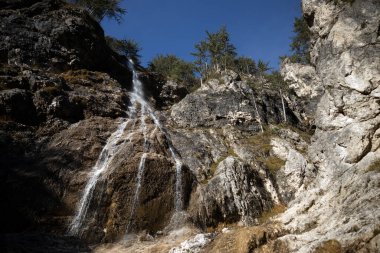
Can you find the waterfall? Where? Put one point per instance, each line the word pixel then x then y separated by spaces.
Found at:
pixel 140 170
pixel 101 166
pixel 112 148
pixel 138 96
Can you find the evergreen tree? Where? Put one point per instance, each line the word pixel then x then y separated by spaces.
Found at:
pixel 262 67
pixel 100 9
pixel 201 61
pixel 220 47
pixel 245 65
pixel 173 68
pixel 300 42
pixel 126 47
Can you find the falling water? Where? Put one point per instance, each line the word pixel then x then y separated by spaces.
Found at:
pixel 102 164
pixel 138 96
pixel 111 149
pixel 140 170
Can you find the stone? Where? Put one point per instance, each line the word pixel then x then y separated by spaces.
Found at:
pixel 235 193
pixel 193 245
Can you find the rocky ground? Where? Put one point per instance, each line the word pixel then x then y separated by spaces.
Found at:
pixel 251 181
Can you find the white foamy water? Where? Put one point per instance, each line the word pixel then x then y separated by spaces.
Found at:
pixel 138 96
pixel 112 148
pixel 101 166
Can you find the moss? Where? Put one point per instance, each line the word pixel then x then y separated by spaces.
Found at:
pixel 277 209
pixel 330 246
pixel 375 166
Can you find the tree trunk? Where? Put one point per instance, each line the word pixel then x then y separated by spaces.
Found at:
pixel 257 114
pixel 283 105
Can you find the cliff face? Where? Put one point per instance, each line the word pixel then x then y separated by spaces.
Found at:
pixel 340 200
pixel 221 156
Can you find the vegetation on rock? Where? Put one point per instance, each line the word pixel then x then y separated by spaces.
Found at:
pixel 100 9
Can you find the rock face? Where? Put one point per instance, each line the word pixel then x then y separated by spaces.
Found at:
pixel 227 153
pixel 229 100
pixel 236 192
pixel 56 114
pixel 339 199
pixel 307 88
pixel 221 148
pixel 55 37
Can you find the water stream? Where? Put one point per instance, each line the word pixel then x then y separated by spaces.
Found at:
pixel 112 148
pixel 102 165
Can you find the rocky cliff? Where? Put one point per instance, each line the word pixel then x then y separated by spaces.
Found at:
pixel 216 170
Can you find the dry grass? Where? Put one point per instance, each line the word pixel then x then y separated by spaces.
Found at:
pixel 273 163
pixel 375 166
pixel 330 246
pixel 277 209
pixel 261 142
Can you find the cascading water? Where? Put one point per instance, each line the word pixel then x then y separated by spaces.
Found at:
pixel 138 96
pixel 112 148
pixel 102 165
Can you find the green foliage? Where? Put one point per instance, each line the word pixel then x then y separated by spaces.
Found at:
pixel 300 42
pixel 245 65
pixel 128 48
pixel 220 47
pixel 214 51
pixel 173 68
pixel 262 67
pixel 276 81
pixel 100 9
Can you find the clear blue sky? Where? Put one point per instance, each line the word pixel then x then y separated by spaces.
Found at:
pixel 260 29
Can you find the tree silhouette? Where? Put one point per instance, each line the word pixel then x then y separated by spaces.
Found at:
pixel 100 9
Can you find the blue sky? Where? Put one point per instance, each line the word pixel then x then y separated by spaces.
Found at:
pixel 260 29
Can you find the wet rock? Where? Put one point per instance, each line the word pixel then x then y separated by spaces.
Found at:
pixel 193 245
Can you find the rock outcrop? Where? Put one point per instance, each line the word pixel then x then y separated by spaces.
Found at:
pixel 219 157
pixel 339 199
pixel 63 92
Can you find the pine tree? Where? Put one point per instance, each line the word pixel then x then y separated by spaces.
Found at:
pixel 300 42
pixel 100 9
pixel 201 55
pixel 173 68
pixel 262 67
pixel 126 47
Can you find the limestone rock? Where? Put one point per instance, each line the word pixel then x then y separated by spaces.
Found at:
pixel 193 245
pixel 235 193
pixel 340 199
pixel 229 101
